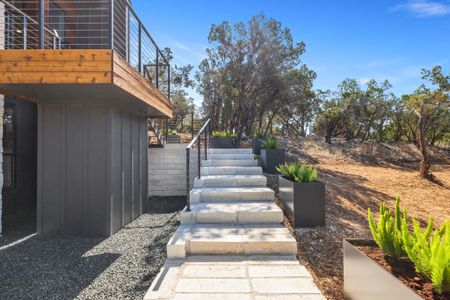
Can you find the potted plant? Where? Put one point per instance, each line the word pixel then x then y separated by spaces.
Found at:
pixel 258 139
pixel 271 155
pixel 222 139
pixel 302 197
pixel 405 264
pixel 173 137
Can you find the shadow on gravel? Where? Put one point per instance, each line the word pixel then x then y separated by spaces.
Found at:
pixel 50 267
pixel 119 267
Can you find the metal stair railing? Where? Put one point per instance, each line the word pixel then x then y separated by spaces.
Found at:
pixel 196 151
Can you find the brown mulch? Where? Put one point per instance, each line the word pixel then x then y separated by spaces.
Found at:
pixel 403 269
pixel 358 177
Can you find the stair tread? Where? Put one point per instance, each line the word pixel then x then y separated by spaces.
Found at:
pixel 232 176
pixel 234 232
pixel 245 189
pixel 235 206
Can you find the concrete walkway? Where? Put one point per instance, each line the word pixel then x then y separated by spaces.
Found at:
pixel 232 245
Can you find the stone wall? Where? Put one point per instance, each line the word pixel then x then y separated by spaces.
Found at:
pixel 167 170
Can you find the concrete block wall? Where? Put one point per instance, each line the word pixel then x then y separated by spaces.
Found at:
pixel 167 170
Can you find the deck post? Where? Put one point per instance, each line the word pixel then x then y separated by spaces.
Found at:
pixel 41 24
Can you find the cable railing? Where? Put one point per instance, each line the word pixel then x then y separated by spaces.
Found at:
pixel 196 152
pixel 84 24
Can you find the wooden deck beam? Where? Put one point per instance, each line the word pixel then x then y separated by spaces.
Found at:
pixel 20 69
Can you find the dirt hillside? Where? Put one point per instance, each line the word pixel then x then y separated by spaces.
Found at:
pixel 358 176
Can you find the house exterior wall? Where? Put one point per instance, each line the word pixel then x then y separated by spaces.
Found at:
pixel 2 101
pixel 167 170
pixel 91 168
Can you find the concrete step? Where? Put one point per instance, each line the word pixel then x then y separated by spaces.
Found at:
pixel 232 194
pixel 227 170
pixel 229 163
pixel 230 151
pixel 230 181
pixel 223 212
pixel 230 156
pixel 230 239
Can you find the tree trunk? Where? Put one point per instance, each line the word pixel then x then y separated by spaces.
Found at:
pixel 424 167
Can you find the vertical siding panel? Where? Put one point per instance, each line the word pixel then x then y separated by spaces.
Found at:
pixel 75 158
pixel 136 170
pixel 40 170
pixel 96 169
pixel 116 170
pixel 51 183
pixel 126 165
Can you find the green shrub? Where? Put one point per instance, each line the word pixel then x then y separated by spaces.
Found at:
pixel 387 232
pixel 298 173
pixel 258 133
pixel 219 133
pixel 430 252
pixel 271 143
pixel 171 132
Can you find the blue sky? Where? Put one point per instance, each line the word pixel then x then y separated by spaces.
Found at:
pixel 362 39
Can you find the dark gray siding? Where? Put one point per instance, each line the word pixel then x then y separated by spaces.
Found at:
pixel 90 160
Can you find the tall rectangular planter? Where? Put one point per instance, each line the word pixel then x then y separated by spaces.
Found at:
pixel 364 279
pixel 222 142
pixel 303 203
pixel 257 145
pixel 271 158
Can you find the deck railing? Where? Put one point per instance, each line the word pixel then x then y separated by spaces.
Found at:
pixel 84 24
pixel 196 152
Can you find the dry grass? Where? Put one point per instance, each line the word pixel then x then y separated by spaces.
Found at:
pixel 359 176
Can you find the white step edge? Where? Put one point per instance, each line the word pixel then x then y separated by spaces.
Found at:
pixel 229 162
pixel 238 239
pixel 234 170
pixel 232 194
pixel 226 212
pixel 230 181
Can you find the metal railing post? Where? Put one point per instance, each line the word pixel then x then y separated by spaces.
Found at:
pixel 41 24
pixel 199 156
pixel 206 144
pixel 168 82
pixel 25 32
pixel 111 23
pixel 140 48
pixel 188 182
pixel 157 68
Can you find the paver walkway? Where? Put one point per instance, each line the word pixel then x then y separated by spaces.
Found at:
pixel 232 245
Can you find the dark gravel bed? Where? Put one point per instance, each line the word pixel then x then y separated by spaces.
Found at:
pixel 120 267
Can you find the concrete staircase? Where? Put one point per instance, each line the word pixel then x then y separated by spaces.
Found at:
pixel 232 211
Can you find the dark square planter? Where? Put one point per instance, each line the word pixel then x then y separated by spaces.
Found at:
pixel 257 145
pixel 303 203
pixel 365 279
pixel 222 142
pixel 173 139
pixel 271 158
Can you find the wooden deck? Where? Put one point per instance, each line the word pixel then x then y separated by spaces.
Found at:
pixel 39 75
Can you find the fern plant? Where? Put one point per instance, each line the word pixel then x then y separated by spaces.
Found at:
pixel 387 232
pixel 430 252
pixel 297 172
pixel 271 143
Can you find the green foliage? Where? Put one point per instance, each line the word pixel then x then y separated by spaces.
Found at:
pixel 171 132
pixel 387 231
pixel 271 143
pixel 223 134
pixel 298 173
pixel 258 134
pixel 430 252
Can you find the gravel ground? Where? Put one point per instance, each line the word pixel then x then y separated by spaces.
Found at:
pixel 120 267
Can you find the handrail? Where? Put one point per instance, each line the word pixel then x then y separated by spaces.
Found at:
pixel 196 141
